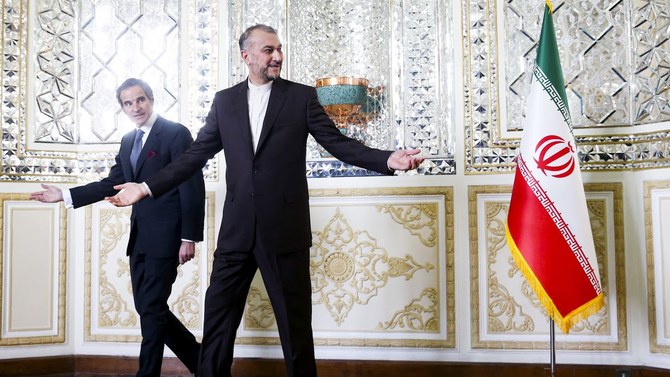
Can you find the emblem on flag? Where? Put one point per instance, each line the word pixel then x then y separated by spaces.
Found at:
pixel 555 156
pixel 548 228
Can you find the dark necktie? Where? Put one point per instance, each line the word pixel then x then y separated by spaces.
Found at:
pixel 137 148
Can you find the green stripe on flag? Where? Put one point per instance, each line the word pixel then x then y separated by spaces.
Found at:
pixel 554 95
pixel 547 54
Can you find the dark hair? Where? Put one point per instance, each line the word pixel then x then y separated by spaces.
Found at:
pixel 245 35
pixel 134 82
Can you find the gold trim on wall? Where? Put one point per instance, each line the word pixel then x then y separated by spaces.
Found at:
pixel 620 344
pixel 649 187
pixel 62 275
pixel 425 296
pixel 192 287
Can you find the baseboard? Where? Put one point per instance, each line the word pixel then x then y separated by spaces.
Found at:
pixel 98 366
pixel 41 366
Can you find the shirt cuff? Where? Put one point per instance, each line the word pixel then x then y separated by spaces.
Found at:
pixel 146 189
pixel 67 198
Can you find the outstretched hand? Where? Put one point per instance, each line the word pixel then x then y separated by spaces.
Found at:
pixel 405 159
pixel 129 193
pixel 50 194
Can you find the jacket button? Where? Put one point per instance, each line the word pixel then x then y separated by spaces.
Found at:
pixel 255 171
pixel 252 195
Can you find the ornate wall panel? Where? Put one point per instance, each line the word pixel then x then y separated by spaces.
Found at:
pixel 58 91
pixel 34 267
pixel 55 83
pixel 594 46
pixel 382 267
pixel 110 314
pixel 614 56
pixel 50 91
pixel 505 312
pixel 651 61
pixel 403 48
pixel 657 232
pixel 121 39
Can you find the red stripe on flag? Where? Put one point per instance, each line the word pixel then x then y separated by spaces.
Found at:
pixel 546 252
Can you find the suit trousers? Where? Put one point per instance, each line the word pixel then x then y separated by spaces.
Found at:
pixel 287 281
pixel 152 280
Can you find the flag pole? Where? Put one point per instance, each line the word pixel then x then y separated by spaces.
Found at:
pixel 552 348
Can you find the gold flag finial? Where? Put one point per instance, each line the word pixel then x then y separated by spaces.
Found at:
pixel 551 8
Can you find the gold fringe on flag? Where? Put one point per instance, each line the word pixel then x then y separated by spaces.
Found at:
pixel 565 323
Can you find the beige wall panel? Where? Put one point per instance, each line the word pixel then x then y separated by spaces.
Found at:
pixel 506 312
pixel 33 271
pixel 382 270
pixel 110 314
pixel 657 230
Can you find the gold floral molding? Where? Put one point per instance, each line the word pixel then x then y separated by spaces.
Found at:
pixel 419 220
pixel 505 315
pixel 504 312
pixel 259 314
pixel 114 310
pixel 422 314
pixel 350 268
pixel 187 305
pixel 62 269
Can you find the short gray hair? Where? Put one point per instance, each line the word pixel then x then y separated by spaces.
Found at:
pixel 245 35
pixel 134 82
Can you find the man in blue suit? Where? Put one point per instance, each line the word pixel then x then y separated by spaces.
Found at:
pixel 262 124
pixel 163 229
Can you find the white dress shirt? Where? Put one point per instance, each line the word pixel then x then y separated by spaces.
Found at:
pixel 258 97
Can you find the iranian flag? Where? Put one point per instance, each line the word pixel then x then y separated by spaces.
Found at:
pixel 548 228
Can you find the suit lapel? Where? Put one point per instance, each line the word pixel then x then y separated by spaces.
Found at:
pixel 275 103
pixel 126 147
pixel 151 144
pixel 241 107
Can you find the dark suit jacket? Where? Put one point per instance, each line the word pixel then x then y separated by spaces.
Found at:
pixel 157 224
pixel 268 188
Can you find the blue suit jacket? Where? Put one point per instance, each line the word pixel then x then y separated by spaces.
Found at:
pixel 157 224
pixel 267 188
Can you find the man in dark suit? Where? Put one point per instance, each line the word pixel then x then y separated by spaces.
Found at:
pixel 163 229
pixel 261 124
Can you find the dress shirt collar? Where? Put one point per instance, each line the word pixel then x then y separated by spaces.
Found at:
pixel 259 89
pixel 146 126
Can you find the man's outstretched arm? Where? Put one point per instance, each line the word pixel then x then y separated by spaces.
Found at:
pixel 129 193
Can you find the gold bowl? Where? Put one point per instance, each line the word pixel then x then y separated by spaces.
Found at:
pixel 341 97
